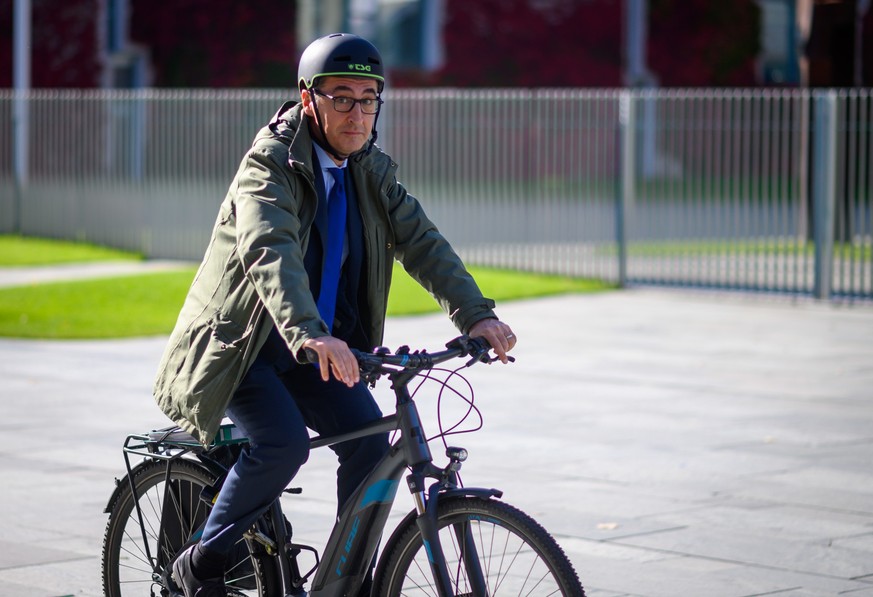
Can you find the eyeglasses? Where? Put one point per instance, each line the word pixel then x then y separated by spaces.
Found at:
pixel 369 105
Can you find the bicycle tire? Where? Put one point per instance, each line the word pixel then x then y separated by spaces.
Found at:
pixel 517 556
pixel 127 571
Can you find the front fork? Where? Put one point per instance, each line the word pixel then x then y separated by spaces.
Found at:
pixel 427 506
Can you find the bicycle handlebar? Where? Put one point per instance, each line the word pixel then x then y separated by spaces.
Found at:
pixel 374 364
pixel 459 347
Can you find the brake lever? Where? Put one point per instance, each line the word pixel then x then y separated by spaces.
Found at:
pixel 370 377
pixel 485 358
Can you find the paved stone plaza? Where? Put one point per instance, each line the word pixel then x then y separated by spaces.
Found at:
pixel 676 443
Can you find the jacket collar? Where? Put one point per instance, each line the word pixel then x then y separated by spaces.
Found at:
pixel 288 124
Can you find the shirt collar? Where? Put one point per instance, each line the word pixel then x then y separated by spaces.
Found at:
pixel 324 160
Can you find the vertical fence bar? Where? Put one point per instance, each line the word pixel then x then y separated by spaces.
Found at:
pixel 627 170
pixel 766 233
pixel 847 209
pixel 824 193
pixel 862 232
pixel 805 191
pixel 753 190
pixel 786 188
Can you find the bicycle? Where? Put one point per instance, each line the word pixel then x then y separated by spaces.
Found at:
pixel 457 541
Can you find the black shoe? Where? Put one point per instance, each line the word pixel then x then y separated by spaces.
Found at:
pixel 190 584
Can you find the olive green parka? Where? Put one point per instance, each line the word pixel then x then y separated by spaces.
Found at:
pixel 252 277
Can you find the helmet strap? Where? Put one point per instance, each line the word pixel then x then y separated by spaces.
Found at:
pixel 374 134
pixel 323 141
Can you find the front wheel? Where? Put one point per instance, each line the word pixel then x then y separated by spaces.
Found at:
pixel 491 548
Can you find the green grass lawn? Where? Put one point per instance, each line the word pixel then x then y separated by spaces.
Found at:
pixel 409 298
pixel 148 304
pixel 119 307
pixel 29 251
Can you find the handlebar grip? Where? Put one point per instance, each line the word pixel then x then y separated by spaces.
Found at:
pixel 481 343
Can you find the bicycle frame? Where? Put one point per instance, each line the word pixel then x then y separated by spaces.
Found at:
pixel 356 535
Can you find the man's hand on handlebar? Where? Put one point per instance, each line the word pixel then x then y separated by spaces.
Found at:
pixel 497 334
pixel 334 356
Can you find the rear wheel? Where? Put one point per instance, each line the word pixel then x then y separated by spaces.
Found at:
pixel 136 557
pixel 491 548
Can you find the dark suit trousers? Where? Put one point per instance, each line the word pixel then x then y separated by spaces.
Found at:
pixel 274 411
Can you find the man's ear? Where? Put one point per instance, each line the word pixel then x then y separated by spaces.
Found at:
pixel 306 99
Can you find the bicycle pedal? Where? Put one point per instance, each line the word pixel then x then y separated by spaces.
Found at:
pixel 293 490
pixel 259 537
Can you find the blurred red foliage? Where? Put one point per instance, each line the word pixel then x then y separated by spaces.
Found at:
pixel 64 43
pixel 488 43
pixel 579 43
pixel 695 43
pixel 210 43
pixel 524 43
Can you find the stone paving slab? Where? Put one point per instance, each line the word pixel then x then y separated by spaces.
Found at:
pixel 675 443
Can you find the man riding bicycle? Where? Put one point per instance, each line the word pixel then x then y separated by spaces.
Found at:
pixel 300 260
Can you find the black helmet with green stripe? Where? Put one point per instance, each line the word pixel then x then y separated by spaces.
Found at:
pixel 340 55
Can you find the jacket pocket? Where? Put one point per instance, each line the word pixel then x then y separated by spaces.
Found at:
pixel 215 354
pixel 225 331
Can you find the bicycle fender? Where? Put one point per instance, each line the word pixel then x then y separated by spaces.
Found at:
pixel 121 484
pixel 437 493
pixel 479 492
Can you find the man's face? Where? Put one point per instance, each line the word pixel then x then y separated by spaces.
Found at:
pixel 346 132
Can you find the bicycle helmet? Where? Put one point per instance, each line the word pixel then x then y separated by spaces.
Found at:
pixel 340 55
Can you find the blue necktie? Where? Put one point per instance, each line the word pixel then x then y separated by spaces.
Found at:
pixel 333 248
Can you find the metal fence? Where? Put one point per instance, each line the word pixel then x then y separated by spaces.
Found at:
pixel 738 189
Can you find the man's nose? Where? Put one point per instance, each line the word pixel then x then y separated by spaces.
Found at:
pixel 357 112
